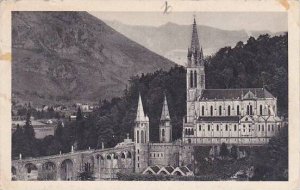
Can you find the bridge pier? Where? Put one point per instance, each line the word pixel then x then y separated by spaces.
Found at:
pixel 58 168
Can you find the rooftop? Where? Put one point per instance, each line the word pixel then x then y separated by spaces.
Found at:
pixel 242 93
pixel 219 118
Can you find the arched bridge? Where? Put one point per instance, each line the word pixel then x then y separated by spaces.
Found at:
pixel 101 163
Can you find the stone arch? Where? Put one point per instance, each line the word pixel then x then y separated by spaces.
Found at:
pixel 13 173
pixel 31 171
pixel 115 157
pixel 123 155
pixel 67 170
pixel 48 171
pixel 100 157
pixel 129 155
pixel 89 164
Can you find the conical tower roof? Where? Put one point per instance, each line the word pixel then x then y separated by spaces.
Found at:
pixel 165 111
pixel 195 45
pixel 140 115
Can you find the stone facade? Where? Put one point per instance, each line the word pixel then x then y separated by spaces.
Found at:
pixel 233 116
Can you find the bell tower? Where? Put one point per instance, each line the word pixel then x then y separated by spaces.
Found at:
pixel 195 74
pixel 165 127
pixel 141 138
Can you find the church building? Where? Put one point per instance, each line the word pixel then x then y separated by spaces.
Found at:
pixel 246 116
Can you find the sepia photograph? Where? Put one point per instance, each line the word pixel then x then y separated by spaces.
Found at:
pixel 148 96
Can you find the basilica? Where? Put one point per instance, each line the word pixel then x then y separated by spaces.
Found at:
pixel 246 116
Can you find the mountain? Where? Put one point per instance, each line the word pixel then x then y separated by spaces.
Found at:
pixel 172 40
pixel 73 56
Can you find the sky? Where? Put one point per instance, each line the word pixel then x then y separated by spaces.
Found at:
pixel 249 21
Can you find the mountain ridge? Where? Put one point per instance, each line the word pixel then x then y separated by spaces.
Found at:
pixel 171 40
pixel 64 56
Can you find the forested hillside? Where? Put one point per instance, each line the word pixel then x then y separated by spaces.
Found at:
pixel 260 62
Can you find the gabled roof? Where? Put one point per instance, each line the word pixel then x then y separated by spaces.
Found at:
pixel 219 118
pixel 183 170
pixel 167 169
pixel 152 169
pixel 235 93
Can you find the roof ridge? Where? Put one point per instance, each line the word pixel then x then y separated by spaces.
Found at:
pixel 231 88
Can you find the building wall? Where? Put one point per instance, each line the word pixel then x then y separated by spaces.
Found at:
pixel 233 107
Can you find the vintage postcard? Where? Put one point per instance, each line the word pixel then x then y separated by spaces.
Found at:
pixel 197 94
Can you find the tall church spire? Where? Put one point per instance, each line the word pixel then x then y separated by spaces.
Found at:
pixel 140 115
pixel 195 45
pixel 165 111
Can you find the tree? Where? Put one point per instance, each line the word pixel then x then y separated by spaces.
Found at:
pixel 79 115
pixel 234 152
pixel 271 161
pixel 223 150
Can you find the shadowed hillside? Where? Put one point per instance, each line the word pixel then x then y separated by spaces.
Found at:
pixel 63 56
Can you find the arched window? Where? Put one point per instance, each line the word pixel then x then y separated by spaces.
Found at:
pixel 251 111
pixel 145 136
pixel 268 127
pixel 211 110
pixel 238 110
pixel 137 136
pixel 220 110
pixel 226 127
pixel 199 127
pixel 186 131
pixel 248 110
pixel 195 79
pixel 228 111
pixel 123 155
pixel 258 127
pixel 260 109
pixel 262 127
pixel 217 127
pixel 129 155
pixel 208 127
pixel 163 132
pixel 142 136
pixel 191 79
pixel 234 127
pixel 202 110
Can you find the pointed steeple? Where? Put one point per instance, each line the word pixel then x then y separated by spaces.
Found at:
pixel 195 45
pixel 165 111
pixel 140 115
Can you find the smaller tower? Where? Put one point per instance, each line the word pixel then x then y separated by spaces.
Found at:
pixel 141 138
pixel 165 127
pixel 141 128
